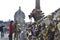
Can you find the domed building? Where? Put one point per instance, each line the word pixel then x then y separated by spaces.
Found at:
pixel 19 17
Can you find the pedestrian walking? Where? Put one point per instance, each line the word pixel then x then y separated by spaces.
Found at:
pixel 2 32
pixel 10 30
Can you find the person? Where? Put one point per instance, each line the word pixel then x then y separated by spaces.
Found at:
pixel 16 30
pixel 10 30
pixel 2 32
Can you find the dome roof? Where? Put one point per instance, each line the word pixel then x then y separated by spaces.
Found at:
pixel 20 13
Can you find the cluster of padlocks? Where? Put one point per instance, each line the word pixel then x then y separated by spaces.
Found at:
pixel 47 28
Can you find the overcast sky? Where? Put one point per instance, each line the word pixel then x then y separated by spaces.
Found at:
pixel 9 7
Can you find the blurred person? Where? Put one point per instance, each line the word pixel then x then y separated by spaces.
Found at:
pixel 11 30
pixel 2 32
pixel 15 30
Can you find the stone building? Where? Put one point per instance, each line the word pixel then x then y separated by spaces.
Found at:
pixel 19 17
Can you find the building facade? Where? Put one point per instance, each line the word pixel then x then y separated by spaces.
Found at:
pixel 19 17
